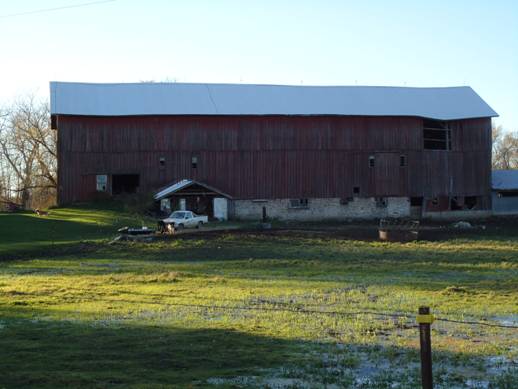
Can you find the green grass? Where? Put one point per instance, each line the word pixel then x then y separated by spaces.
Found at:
pixel 228 310
pixel 29 233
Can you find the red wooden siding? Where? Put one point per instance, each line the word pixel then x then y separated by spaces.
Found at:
pixel 252 157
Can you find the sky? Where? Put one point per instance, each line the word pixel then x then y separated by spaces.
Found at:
pixel 400 43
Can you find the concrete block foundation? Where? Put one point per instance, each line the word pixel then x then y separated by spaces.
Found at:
pixel 323 209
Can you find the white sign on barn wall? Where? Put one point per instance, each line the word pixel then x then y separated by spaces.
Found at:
pixel 220 208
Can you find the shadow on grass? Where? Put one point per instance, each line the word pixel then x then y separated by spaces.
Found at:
pixel 51 353
pixel 67 354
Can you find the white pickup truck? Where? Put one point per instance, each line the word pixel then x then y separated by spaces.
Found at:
pixel 185 219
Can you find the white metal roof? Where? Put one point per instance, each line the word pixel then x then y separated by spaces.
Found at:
pixel 245 99
pixel 504 179
pixel 172 188
pixel 182 184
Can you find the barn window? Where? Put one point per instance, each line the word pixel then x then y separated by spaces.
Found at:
pixel 436 135
pixel 471 202
pixel 416 201
pixel 162 161
pixel 299 203
pixel 194 162
pixel 346 200
pixel 402 160
pixel 101 182
pixel 125 183
pixel 381 202
pixel 165 205
pixel 356 190
pixel 371 161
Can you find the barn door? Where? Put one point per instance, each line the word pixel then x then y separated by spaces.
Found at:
pixel 387 172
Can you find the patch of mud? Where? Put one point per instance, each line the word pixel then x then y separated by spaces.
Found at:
pixel 262 382
pixel 355 368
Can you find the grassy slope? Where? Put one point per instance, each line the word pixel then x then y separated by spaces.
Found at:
pixel 27 232
pixel 144 315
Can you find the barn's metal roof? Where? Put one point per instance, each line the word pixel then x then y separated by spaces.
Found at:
pixel 504 179
pixel 244 99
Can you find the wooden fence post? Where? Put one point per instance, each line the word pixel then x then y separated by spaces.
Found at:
pixel 424 318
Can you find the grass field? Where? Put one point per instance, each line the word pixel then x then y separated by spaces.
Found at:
pixel 244 309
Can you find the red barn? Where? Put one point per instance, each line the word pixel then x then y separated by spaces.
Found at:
pixel 299 152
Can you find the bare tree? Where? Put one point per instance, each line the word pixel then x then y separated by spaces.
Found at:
pixel 28 151
pixel 505 149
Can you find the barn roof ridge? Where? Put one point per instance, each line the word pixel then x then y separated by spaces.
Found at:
pixel 101 84
pixel 150 98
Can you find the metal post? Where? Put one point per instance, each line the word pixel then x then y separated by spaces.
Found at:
pixel 424 318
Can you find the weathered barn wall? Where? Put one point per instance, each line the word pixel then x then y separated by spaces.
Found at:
pixel 274 157
pixel 319 209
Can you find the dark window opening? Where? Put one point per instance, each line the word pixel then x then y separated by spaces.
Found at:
pixel 457 203
pixel 356 190
pixel 194 162
pixel 470 202
pixel 436 135
pixel 435 201
pixel 381 202
pixel 371 161
pixel 162 161
pixel 416 201
pixel 402 160
pixel 299 203
pixel 125 183
pixel 346 200
pixel 509 193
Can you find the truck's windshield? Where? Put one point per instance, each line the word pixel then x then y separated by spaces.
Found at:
pixel 178 215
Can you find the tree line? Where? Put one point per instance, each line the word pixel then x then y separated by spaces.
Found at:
pixel 505 149
pixel 28 154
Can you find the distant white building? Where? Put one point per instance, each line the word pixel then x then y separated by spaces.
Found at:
pixel 504 185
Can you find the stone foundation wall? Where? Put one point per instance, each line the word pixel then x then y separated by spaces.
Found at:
pixel 322 209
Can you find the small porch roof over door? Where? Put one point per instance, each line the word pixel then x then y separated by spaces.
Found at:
pixel 189 188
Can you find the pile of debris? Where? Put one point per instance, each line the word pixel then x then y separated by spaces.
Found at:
pixel 462 225
pixel 142 234
pixel 398 230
